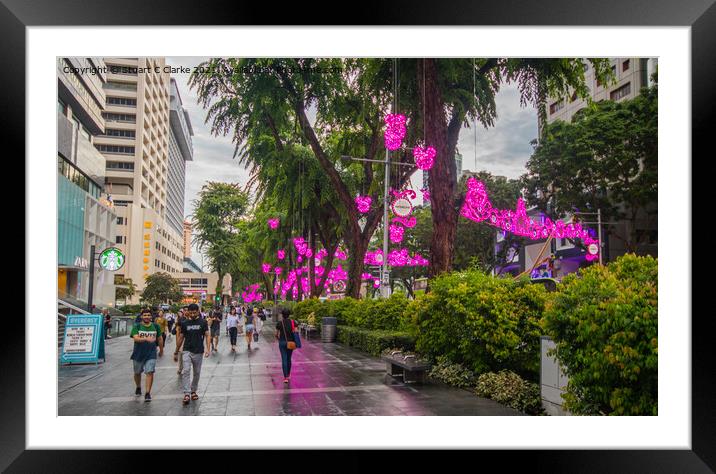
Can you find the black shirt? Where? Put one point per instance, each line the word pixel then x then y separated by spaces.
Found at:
pixel 281 333
pixel 216 323
pixel 193 331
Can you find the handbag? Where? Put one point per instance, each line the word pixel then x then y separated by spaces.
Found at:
pixel 296 336
pixel 256 336
pixel 290 345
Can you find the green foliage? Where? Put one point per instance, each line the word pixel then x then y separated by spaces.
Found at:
pixel 606 159
pixel 374 341
pixel 452 374
pixel 605 326
pixel 482 322
pixel 131 308
pixel 160 288
pixel 510 389
pixel 302 309
pixel 124 293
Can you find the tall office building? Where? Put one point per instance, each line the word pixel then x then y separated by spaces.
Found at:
pixel 136 146
pixel 84 215
pixel 180 151
pixel 632 74
pixel 187 239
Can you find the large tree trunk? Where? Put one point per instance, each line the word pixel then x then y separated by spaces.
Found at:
pixel 443 182
pixel 359 246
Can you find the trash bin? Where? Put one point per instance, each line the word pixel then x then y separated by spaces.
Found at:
pixel 328 329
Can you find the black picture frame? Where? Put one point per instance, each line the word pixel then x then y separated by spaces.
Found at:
pixel 700 15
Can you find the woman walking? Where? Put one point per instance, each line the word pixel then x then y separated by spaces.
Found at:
pixel 232 323
pixel 250 326
pixel 286 343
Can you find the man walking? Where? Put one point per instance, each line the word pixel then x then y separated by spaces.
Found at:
pixel 214 320
pixel 146 337
pixel 193 337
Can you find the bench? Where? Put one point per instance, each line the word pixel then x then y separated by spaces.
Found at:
pixel 408 367
pixel 306 330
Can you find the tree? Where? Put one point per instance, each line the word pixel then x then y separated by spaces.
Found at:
pixel 606 159
pixel 272 112
pixel 454 91
pixel 125 289
pixel 217 214
pixel 161 288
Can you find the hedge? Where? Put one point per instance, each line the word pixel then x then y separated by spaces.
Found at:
pixel 605 327
pixel 374 341
pixel 484 323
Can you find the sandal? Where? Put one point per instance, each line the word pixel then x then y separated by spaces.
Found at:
pixel 186 400
pixel 194 396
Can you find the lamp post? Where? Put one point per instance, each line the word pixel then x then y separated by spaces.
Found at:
pixel 384 271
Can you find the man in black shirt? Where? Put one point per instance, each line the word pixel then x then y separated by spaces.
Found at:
pixel 194 339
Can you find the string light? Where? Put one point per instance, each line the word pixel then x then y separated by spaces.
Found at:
pixel 273 223
pixel 477 207
pixel 424 157
pixel 363 203
pixel 394 131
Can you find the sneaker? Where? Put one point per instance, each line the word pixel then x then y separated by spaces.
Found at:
pixel 285 380
pixel 147 397
pixel 138 391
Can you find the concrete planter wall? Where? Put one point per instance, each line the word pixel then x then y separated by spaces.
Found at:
pixel 552 380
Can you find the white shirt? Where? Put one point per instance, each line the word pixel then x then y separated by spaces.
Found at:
pixel 232 321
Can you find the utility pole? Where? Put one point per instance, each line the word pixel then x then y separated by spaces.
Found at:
pixel 599 234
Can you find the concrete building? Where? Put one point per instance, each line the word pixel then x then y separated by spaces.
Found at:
pixel 180 151
pixel 632 74
pixel 187 239
pixel 190 266
pixel 136 146
pixel 85 216
pixel 199 287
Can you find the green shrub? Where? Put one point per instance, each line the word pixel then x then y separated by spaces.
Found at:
pixel 452 374
pixel 374 342
pixel 312 305
pixel 508 388
pixel 482 322
pixel 604 323
pixel 131 308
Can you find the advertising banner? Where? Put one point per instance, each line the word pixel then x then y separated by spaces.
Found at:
pixel 83 341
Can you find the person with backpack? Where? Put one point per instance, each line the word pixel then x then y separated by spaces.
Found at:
pixel 286 337
pixel 147 337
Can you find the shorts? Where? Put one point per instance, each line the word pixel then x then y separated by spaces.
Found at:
pixel 249 327
pixel 214 331
pixel 146 366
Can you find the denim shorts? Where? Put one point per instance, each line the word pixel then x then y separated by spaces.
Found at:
pixel 249 327
pixel 146 366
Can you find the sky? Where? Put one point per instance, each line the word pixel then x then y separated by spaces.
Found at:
pixel 502 150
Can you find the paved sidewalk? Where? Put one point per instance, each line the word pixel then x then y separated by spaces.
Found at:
pixel 326 379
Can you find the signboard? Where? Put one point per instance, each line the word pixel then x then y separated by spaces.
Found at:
pixel 111 259
pixel 83 341
pixel 402 207
pixel 593 249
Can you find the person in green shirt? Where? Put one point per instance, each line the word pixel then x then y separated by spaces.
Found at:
pixel 147 337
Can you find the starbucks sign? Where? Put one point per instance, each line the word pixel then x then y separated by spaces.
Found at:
pixel 111 259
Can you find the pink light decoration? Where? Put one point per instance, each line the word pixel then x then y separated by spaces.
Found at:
pixel 376 283
pixel 363 203
pixel 477 207
pixel 406 221
pixel 340 255
pixel 366 276
pixel 373 257
pixel 299 259
pixel 301 246
pixel 273 223
pixel 277 270
pixel 266 268
pixel 281 254
pixel 426 194
pixel 394 131
pixel 396 233
pixel 424 157
pixel 251 293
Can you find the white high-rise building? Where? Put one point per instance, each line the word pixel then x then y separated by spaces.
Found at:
pixel 136 145
pixel 180 151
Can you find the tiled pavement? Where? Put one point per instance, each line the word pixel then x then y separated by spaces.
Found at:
pixel 326 379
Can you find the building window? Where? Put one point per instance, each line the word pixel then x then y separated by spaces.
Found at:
pixel 122 203
pixel 126 70
pixel 118 239
pixel 120 165
pixel 118 149
pixel 61 107
pixel 124 101
pixel 625 65
pixel 620 93
pixel 127 86
pixel 128 118
pixel 111 132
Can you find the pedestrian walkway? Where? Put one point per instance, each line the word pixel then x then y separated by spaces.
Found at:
pixel 326 379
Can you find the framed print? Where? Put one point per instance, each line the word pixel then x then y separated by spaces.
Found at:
pixel 50 414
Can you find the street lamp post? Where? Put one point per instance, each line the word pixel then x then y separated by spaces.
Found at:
pixel 384 271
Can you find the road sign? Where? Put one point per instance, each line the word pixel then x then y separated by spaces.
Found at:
pixel 83 341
